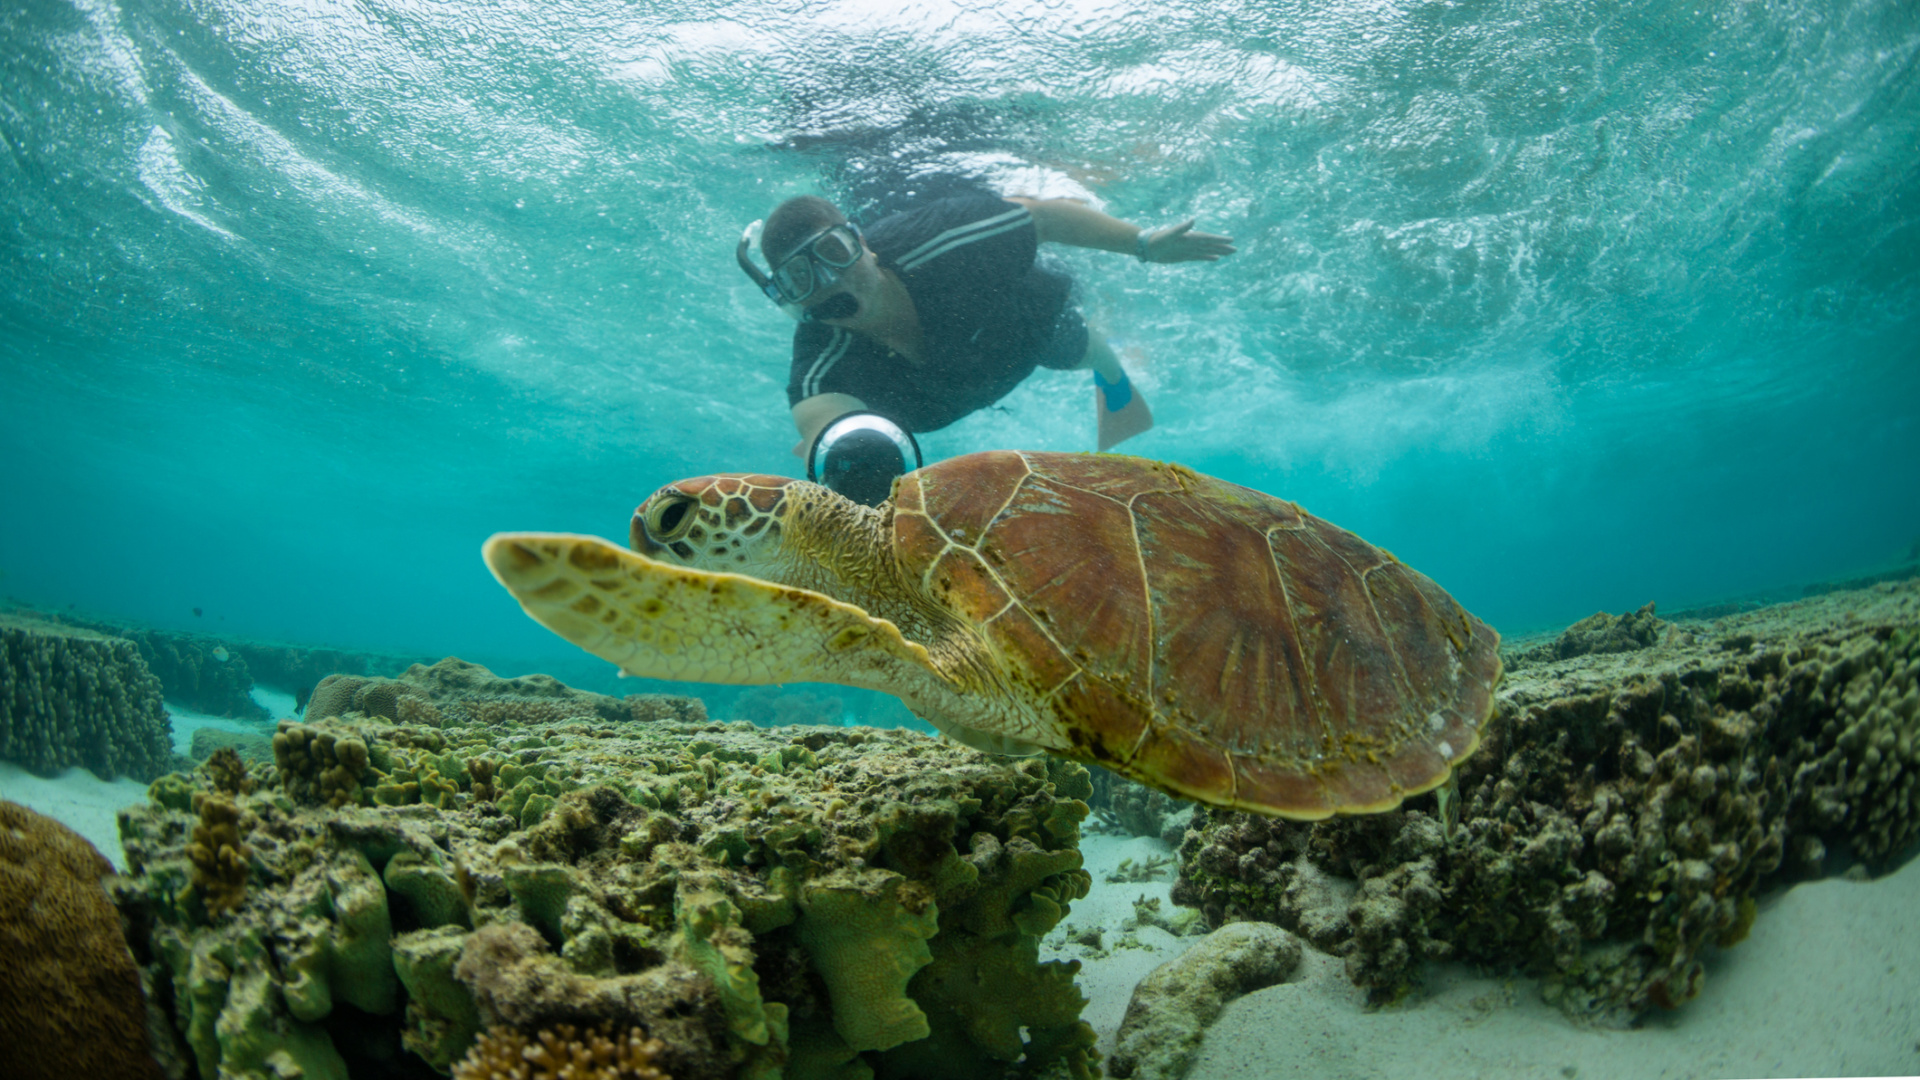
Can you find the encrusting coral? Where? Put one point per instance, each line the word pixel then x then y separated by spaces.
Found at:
pixel 455 692
pixel 70 997
pixel 1598 633
pixel 562 1052
pixel 75 697
pixel 807 903
pixel 1621 816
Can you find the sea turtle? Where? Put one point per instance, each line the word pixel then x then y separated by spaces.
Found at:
pixel 1197 636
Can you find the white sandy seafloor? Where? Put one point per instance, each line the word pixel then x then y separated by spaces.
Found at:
pixel 1827 984
pixel 88 805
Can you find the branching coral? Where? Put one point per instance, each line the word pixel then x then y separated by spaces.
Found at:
pixel 562 1052
pixel 228 771
pixel 318 765
pixel 218 855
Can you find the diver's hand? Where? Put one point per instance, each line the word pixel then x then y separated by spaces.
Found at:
pixel 1179 243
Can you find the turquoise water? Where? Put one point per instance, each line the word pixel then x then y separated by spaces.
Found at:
pixel 1571 306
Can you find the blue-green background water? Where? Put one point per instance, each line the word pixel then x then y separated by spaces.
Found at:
pixel 1572 306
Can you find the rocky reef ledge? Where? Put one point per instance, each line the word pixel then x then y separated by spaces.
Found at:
pixel 725 901
pixel 1640 784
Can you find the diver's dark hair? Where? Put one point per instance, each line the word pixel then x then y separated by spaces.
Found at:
pixel 793 221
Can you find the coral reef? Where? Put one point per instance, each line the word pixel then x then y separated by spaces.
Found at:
pixel 1622 815
pixel 839 903
pixel 1129 809
pixel 70 1001
pixel 199 672
pixel 300 668
pixel 1598 633
pixel 207 742
pixel 213 674
pixel 562 1053
pixel 1172 1007
pixel 74 697
pixel 317 765
pixel 455 692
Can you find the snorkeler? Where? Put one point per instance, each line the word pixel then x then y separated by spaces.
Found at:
pixel 935 312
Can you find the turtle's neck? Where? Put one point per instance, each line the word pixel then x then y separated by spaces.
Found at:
pixel 843 549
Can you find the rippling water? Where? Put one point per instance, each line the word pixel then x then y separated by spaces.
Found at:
pixel 1571 305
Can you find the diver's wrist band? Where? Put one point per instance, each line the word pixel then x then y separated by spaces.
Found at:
pixel 1141 243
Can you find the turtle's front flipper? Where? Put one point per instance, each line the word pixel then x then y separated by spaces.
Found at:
pixel 669 622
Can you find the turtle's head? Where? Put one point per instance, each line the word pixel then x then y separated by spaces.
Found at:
pixel 729 522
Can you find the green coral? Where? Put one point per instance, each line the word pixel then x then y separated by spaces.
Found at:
pixel 866 933
pixel 828 903
pixel 429 892
pixel 442 1019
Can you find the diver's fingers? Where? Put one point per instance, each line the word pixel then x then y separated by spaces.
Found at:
pixel 1179 243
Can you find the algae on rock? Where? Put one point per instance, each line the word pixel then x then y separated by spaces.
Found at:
pixel 806 903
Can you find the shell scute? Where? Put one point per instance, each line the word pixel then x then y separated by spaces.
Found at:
pixel 963 501
pixel 1104 724
pixel 959 580
pixel 1028 653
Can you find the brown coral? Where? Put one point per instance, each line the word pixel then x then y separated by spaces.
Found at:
pixel 218 855
pixel 70 1002
pixel 317 765
pixel 456 693
pixel 229 771
pixel 562 1052
pixel 1597 633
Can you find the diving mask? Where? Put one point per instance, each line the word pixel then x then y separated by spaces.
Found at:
pixel 815 265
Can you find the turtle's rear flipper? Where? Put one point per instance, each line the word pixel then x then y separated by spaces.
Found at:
pixel 661 621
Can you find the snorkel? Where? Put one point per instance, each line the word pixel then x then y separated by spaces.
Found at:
pixel 742 254
pixel 837 307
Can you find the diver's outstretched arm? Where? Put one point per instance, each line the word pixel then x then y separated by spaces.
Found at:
pixel 1074 223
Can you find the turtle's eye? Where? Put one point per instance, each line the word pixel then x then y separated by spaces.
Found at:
pixel 669 518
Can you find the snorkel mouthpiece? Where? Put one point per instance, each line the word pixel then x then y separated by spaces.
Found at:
pixel 843 306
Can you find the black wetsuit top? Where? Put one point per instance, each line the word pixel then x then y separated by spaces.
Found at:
pixel 988 313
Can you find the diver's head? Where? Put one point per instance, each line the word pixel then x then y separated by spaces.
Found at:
pixel 815 255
